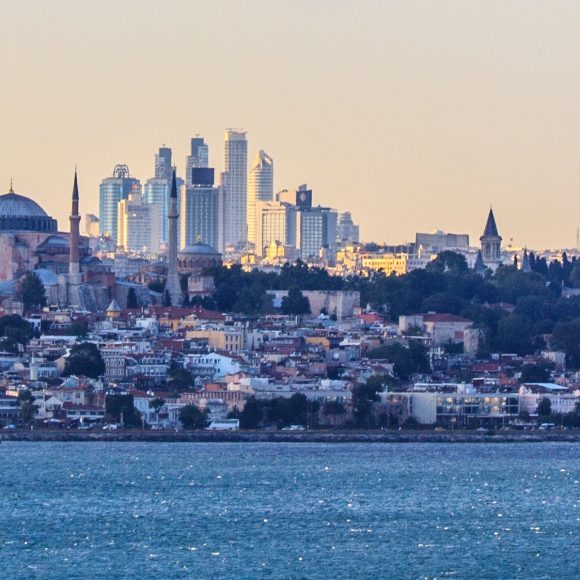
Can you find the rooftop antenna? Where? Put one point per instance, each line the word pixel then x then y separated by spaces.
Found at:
pixel 11 188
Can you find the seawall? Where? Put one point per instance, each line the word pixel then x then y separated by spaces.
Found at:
pixel 294 437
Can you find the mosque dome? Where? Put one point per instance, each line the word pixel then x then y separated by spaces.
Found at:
pixel 18 212
pixel 197 257
pixel 200 249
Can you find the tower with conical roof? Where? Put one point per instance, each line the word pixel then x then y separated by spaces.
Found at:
pixel 525 265
pixel 491 243
pixel 74 273
pixel 172 286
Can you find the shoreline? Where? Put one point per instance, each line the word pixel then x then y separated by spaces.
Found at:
pixel 291 437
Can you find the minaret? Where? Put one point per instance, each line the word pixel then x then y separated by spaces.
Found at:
pixel 75 218
pixel 491 243
pixel 172 286
pixel 74 273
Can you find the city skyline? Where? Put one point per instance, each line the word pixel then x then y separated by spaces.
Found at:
pixel 424 135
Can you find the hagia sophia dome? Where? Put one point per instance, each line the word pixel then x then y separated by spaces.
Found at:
pixel 20 213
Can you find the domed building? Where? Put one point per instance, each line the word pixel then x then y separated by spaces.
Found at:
pixel 197 257
pixel 29 238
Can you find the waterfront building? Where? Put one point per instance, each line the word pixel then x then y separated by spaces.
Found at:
pixel 202 209
pixel 236 166
pixel 111 191
pixel 260 188
pixel 138 229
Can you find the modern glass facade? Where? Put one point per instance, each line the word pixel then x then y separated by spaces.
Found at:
pixel 260 188
pixel 236 166
pixel 111 191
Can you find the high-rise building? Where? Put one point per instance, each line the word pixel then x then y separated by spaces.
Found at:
pixel 157 190
pixel 163 166
pixel 172 286
pixel 236 166
pixel 138 229
pixel 91 225
pixel 275 223
pixel 316 231
pixel 260 188
pixel 202 210
pixel 111 191
pixel 199 157
pixel 347 230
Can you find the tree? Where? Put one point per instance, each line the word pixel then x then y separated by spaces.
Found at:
pixel 295 303
pixel 333 408
pixel 535 374
pixel 85 359
pixel 32 292
pixel 567 337
pixel 252 415
pixel 514 334
pixel 448 261
pixel 156 404
pixel 121 409
pixel 132 299
pixel 14 330
pixel 179 379
pixel 544 407
pixel 406 360
pixel 27 407
pixel 363 396
pixel 192 417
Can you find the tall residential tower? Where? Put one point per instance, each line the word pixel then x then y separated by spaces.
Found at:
pixel 236 167
pixel 260 188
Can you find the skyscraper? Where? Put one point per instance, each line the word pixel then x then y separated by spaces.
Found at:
pixel 260 188
pixel 348 231
pixel 158 189
pixel 275 223
pixel 111 191
pixel 236 166
pixel 138 229
pixel 202 210
pixel 199 157
pixel 172 286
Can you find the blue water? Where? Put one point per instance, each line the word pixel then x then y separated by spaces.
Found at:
pixel 178 510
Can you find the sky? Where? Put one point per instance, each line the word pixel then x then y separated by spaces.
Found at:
pixel 413 115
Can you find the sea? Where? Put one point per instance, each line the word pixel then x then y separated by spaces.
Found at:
pixel 289 510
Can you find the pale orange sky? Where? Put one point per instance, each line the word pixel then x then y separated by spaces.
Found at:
pixel 413 115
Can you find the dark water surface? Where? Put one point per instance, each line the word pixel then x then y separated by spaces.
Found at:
pixel 242 510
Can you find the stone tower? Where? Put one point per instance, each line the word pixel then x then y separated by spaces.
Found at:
pixel 172 286
pixel 491 243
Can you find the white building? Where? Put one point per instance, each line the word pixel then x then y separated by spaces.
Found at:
pixel 236 167
pixel 138 225
pixel 275 223
pixel 213 363
pixel 260 188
